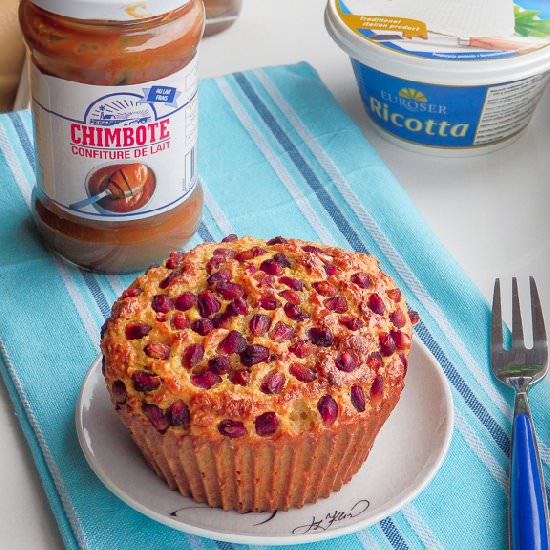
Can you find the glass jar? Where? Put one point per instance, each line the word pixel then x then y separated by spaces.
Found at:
pixel 221 14
pixel 115 111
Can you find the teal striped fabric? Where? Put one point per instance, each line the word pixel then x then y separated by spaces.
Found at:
pixel 277 156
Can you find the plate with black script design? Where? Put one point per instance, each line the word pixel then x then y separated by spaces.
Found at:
pixel 406 455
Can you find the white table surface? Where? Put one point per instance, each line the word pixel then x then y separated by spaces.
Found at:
pixel 491 212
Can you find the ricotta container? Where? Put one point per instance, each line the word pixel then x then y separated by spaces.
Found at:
pixel 443 77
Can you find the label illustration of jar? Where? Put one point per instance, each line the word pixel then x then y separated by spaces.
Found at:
pixel 115 148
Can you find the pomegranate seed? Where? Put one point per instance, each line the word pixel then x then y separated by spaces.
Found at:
pixel 220 276
pixel 257 251
pixel 135 330
pixel 222 320
pixel 179 321
pixel 394 294
pixel 320 336
pixel 290 296
pixel 118 390
pixel 220 364
pixel 162 318
pixel 337 304
pixel 259 324
pixel 166 282
pixel 377 388
pixel 324 289
pixel 254 354
pixel 230 291
pixel 202 326
pixel 281 259
pixel 208 304
pixel 230 238
pixel 145 381
pixel 387 344
pixel 328 409
pixel 302 373
pixel 156 416
pixel 244 256
pixel 264 280
pixel 295 312
pixel 269 303
pixel 215 263
pixel 277 240
pixel 193 356
pixel 237 307
pixel 266 424
pixel 362 280
pixel 225 253
pixel 157 350
pixel 178 414
pixel 132 292
pixel 271 267
pixel 405 363
pixel 398 318
pixel 240 377
pixel 273 383
pixel 161 303
pixel 313 249
pixel 331 269
pixel 413 316
pixel 281 331
pixel 357 397
pixel 374 361
pixel 174 260
pixel 294 284
pixel 402 340
pixel 234 342
pixel 301 348
pixel 347 361
pixel 231 428
pixel 376 304
pixel 186 301
pixel 206 380
pixel 353 323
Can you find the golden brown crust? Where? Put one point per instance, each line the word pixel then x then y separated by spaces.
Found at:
pixel 172 371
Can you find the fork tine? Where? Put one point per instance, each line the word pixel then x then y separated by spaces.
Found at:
pixel 496 320
pixel 517 327
pixel 539 332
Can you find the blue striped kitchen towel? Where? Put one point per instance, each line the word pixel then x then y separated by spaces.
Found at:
pixel 278 156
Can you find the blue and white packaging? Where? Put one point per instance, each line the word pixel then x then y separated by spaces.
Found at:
pixel 465 85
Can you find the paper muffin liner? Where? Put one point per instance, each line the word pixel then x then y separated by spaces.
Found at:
pixel 260 475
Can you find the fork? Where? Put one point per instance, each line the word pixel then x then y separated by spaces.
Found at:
pixel 520 368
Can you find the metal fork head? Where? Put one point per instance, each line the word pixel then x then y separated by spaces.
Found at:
pixel 518 367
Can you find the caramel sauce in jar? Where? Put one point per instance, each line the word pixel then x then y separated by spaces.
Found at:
pixel 115 113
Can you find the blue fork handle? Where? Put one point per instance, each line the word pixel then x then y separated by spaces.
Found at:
pixel 529 526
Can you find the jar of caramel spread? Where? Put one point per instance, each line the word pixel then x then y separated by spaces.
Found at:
pixel 114 88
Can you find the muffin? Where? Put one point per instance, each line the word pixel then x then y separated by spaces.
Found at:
pixel 255 375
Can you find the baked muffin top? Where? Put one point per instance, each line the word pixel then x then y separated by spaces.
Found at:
pixel 250 338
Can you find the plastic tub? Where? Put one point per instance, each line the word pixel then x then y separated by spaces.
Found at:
pixel 468 88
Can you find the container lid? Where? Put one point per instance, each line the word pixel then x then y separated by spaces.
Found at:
pixel 471 42
pixel 110 10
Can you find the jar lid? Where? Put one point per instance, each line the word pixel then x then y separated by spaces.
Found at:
pixel 110 10
pixel 491 41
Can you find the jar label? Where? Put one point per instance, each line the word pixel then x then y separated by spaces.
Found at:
pixel 117 152
pixel 448 116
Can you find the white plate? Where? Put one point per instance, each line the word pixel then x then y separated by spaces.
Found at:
pixel 406 455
